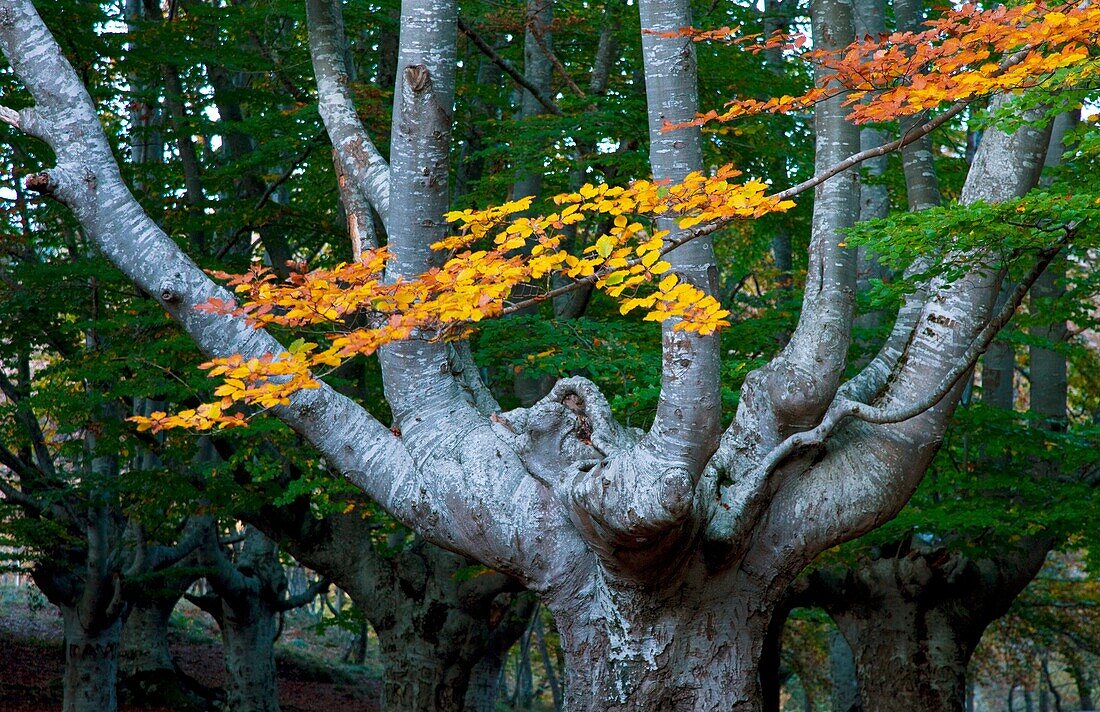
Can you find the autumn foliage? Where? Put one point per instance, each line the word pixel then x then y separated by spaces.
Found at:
pixel 965 54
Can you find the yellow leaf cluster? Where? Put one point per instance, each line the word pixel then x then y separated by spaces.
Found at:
pixel 493 253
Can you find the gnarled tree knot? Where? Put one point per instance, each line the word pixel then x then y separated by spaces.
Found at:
pixel 418 78
pixel 41 183
pixel 171 291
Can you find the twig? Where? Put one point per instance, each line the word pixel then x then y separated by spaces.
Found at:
pixel 557 64
pixel 511 71
pixel 271 191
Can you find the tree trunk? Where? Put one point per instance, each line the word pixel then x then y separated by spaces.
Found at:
pixel 149 675
pixel 909 658
pixel 416 678
pixel 842 674
pixel 248 637
pixel 627 649
pixel 1084 686
pixel 91 665
pixel 513 612
pixel 145 638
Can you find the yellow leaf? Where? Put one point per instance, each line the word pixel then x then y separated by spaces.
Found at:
pixel 604 246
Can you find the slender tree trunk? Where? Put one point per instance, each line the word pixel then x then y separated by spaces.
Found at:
pixel 921 183
pixel 1084 684
pixel 91 665
pixel 842 674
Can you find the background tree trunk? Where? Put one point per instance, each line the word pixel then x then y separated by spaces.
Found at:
pixel 91 664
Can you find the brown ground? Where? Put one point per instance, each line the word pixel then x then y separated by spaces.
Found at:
pixel 31 660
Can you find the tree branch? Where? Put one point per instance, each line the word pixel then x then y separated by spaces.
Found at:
pixel 508 69
pixel 291 602
pixel 537 36
pixel 360 160
pixel 844 408
pixel 87 179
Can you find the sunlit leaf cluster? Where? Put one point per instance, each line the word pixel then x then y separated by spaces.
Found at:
pixel 491 256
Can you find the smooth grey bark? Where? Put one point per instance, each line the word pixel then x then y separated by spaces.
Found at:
pixel 874 200
pixel 913 618
pixel 869 18
pixel 777 19
pixel 248 637
pixel 356 155
pixel 1049 388
pixel 661 564
pixel 538 71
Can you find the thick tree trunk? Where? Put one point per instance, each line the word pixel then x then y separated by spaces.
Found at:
pixel 145 638
pixel 149 675
pixel 914 619
pixel 629 648
pixel 91 665
pixel 909 658
pixel 416 678
pixel 248 637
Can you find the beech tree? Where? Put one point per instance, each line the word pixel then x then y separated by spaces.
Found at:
pixel 661 554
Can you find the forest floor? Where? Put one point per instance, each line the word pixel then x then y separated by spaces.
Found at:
pixel 312 677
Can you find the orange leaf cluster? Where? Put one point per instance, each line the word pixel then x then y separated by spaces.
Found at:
pixel 965 54
pixel 728 35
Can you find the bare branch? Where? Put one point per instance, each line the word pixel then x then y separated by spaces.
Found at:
pixel 504 64
pixel 844 408
pixel 368 171
pixel 11 117
pixel 303 598
pixel 537 36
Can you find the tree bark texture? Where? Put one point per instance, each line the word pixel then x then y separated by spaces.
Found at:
pixel 148 673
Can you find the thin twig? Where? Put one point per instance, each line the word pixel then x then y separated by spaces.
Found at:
pixel 557 64
pixel 313 142
pixel 510 70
